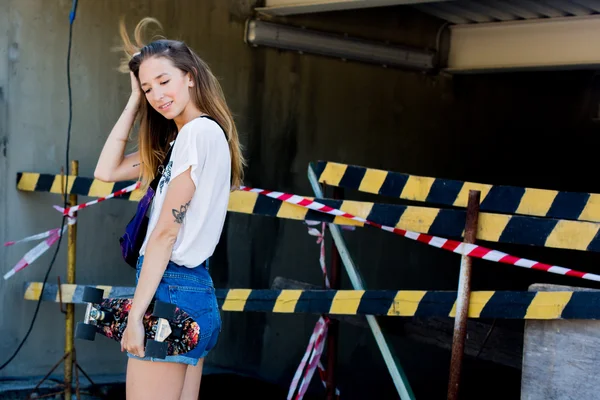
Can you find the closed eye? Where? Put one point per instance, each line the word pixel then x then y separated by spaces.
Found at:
pixel 162 83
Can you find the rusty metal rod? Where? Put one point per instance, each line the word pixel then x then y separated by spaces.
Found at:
pixel 77 391
pixel 62 309
pixel 86 375
pixel 334 325
pixel 47 375
pixel 70 318
pixel 462 301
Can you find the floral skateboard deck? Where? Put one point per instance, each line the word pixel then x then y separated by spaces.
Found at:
pixel 169 329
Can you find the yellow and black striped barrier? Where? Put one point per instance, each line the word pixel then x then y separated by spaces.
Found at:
pixel 502 228
pixel 35 182
pixel 400 303
pixel 494 198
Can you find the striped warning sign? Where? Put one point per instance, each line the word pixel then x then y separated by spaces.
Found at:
pixel 401 303
pixel 502 228
pixel 494 198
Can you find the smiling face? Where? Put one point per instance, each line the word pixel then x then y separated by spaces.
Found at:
pixel 167 89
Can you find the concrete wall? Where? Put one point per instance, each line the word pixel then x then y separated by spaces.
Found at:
pixel 34 82
pixel 291 109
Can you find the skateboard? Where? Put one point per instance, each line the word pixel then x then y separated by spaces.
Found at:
pixel 169 329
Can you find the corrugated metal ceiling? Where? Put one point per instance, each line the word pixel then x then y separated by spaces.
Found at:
pixel 479 11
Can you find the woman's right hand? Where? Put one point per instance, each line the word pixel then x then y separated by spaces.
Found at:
pixel 136 92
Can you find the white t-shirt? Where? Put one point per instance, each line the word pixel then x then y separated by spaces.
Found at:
pixel 201 144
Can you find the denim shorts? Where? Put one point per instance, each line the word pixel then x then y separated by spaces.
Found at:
pixel 192 290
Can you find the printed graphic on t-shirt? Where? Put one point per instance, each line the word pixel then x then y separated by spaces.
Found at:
pixel 166 176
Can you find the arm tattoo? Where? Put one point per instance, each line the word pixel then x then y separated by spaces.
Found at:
pixel 179 215
pixel 135 165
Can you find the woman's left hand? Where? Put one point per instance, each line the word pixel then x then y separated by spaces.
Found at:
pixel 133 337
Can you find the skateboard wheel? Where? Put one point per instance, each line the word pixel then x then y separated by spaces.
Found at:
pixel 85 331
pixel 156 349
pixel 92 295
pixel 164 310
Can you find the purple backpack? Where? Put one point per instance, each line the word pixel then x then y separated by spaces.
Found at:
pixel 135 231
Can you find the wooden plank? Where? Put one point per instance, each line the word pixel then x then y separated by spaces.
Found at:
pixel 561 358
pixel 485 341
pixel 280 283
pixel 447 223
pixel 398 303
pixel 449 192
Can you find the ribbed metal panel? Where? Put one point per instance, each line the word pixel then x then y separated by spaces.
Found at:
pixel 479 11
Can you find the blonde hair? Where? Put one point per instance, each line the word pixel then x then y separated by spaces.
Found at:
pixel 155 131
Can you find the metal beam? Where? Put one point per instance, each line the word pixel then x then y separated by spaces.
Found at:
pixel 292 7
pixel 398 376
pixel 282 36
pixel 551 44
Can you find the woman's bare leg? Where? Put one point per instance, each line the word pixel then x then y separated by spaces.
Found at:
pixel 154 380
pixel 191 385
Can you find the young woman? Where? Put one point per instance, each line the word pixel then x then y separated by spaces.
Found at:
pixel 181 107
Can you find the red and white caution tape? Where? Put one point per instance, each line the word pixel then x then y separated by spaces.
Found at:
pixel 37 251
pixel 53 235
pixel 461 248
pixel 309 349
pixel 321 241
pixel 314 351
pixel 344 227
pixel 71 210
pixel 31 238
pixel 317 340
pixel 314 358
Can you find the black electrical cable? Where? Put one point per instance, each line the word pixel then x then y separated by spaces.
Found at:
pixel 71 20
